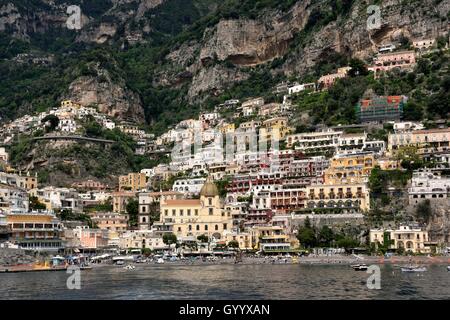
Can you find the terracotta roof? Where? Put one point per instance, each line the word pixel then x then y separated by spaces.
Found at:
pixel 164 193
pixel 188 202
pixel 432 131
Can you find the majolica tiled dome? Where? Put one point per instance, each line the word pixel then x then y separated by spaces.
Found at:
pixel 209 189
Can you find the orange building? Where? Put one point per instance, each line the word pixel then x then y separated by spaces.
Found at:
pixel 35 231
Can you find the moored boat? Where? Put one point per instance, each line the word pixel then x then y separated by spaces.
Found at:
pixel 413 269
pixel 359 267
pixel 129 267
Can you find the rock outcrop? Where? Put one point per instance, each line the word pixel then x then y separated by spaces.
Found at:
pixel 246 42
pixel 13 257
pixel 111 97
pixel 222 54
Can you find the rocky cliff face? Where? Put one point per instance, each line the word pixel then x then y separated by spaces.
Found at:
pixel 351 36
pixel 225 52
pixel 439 226
pixel 245 42
pixel 98 25
pixel 111 97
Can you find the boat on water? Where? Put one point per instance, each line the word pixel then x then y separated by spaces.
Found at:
pixel 359 267
pixel 448 268
pixel 85 267
pixel 160 261
pixel 129 267
pixel 413 269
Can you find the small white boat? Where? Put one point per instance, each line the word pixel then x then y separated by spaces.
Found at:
pixel 359 267
pixel 160 261
pixel 448 268
pixel 129 267
pixel 85 267
pixel 413 269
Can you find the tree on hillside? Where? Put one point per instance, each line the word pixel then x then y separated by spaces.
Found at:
pixel 358 68
pixel 326 236
pixel 169 238
pixel 233 244
pixel 51 122
pixel 35 204
pixel 203 238
pixel 376 180
pixel 306 235
pixel 132 209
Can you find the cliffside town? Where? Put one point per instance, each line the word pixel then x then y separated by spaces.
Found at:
pixel 276 131
pixel 243 175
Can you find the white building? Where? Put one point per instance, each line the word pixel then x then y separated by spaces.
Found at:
pixel 251 106
pixel 358 142
pixel 3 155
pixel 192 186
pixel 13 200
pixel 59 198
pixel 301 87
pixel 312 142
pixel 141 239
pixel 108 124
pixel 407 126
pixel 148 172
pixel 67 125
pixel 427 184
pixel 423 44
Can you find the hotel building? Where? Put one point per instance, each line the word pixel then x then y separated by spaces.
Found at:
pixel 40 231
pixel 412 240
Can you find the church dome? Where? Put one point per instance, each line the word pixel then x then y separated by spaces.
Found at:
pixel 209 189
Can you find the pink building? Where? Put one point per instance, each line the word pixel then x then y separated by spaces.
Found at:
pixel 91 238
pixel 328 80
pixel 389 61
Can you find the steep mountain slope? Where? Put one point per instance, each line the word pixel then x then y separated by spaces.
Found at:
pixel 161 55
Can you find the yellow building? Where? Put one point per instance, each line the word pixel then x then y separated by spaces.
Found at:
pixel 244 239
pixel 227 128
pixel 351 197
pixel 27 182
pixel 272 239
pixel 110 221
pixel 427 141
pixel 389 164
pixel 275 129
pixel 410 239
pixel 133 182
pixel 195 217
pixel 35 231
pixel 349 169
pixel 70 104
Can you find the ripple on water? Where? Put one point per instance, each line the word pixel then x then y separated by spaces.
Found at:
pixel 253 282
